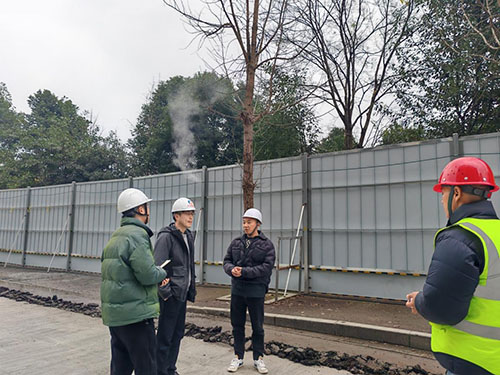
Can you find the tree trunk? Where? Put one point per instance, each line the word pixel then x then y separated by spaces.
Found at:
pixel 248 119
pixel 248 115
pixel 348 139
pixel 248 184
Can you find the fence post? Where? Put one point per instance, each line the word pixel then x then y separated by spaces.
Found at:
pixel 71 225
pixel 455 146
pixel 203 252
pixel 306 196
pixel 277 278
pixel 130 182
pixel 26 225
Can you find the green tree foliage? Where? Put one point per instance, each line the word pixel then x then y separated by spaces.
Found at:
pixel 10 126
pixel 293 128
pixel 333 142
pixel 218 131
pixel 54 144
pixel 10 120
pixel 152 137
pixel 187 123
pixel 451 78
pixel 399 134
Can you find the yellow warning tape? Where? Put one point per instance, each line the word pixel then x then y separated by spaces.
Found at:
pixel 50 254
pixel 312 268
pixel 345 270
pixel 13 251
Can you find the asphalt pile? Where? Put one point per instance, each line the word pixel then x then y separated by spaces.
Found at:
pixel 90 309
pixel 356 364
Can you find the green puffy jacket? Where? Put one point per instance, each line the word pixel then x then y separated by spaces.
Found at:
pixel 129 291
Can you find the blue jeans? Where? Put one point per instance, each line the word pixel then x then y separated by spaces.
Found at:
pixel 449 373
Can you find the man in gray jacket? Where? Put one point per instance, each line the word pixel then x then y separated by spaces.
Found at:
pixel 175 243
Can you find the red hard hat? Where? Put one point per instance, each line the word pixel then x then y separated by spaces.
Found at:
pixel 467 171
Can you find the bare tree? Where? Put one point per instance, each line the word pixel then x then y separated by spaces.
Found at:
pixel 248 40
pixel 353 45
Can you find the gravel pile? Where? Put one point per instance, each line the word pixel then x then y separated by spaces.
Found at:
pixel 356 364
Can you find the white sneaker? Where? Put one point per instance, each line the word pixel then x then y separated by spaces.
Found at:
pixel 260 366
pixel 235 364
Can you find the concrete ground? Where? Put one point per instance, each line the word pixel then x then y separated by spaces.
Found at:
pixel 43 340
pixel 81 287
pixel 84 287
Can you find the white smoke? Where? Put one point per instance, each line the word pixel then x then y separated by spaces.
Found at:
pixel 182 108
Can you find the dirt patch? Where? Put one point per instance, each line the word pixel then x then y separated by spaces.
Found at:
pixel 386 314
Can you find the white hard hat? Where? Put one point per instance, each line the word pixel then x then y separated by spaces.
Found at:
pixel 183 204
pixel 131 198
pixel 254 214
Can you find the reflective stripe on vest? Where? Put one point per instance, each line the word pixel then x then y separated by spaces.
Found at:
pixel 479 330
pixel 477 338
pixel 492 289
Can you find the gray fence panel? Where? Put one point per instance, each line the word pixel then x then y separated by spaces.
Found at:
pixel 371 211
pixel 487 148
pixel 225 207
pixel 164 190
pixel 12 221
pixel 12 211
pixel 368 206
pixel 49 220
pixel 96 217
pixel 279 197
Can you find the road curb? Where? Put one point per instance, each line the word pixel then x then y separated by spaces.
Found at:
pixel 411 339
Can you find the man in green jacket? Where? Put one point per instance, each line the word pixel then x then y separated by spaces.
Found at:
pixel 129 299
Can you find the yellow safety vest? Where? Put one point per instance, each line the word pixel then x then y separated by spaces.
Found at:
pixel 477 337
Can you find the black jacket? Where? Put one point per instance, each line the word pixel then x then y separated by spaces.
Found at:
pixel 257 261
pixel 171 245
pixel 453 276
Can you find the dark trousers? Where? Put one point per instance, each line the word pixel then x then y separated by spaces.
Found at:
pixel 133 348
pixel 255 307
pixel 170 333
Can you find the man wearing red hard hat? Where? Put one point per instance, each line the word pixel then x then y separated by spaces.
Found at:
pixel 461 295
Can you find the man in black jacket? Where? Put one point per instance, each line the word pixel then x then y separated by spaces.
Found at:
pixel 249 261
pixel 175 243
pixel 456 270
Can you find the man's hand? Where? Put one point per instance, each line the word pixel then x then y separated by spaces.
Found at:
pixel 165 282
pixel 236 271
pixel 410 302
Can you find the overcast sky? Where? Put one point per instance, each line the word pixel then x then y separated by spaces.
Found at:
pixel 104 55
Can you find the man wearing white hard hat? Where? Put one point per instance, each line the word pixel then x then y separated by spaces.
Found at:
pixel 176 244
pixel 129 292
pixel 249 261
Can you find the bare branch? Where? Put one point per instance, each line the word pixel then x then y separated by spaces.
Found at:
pixel 354 48
pixel 495 43
pixel 257 27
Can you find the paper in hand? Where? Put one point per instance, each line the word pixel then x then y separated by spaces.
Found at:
pixel 165 263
